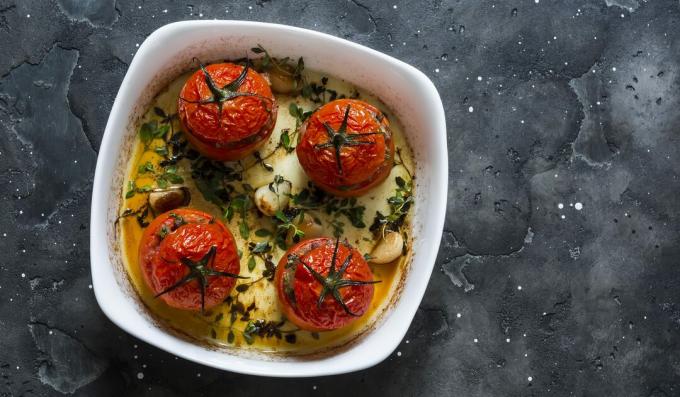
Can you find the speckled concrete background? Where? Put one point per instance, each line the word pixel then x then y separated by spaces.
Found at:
pixel 559 269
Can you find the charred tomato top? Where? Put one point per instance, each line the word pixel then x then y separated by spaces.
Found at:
pixel 346 147
pixel 227 110
pixel 323 284
pixel 188 259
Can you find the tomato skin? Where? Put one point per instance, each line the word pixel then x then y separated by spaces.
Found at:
pixel 299 291
pixel 246 122
pixel 159 257
pixel 364 166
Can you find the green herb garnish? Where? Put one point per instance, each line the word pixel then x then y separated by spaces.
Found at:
pixel 267 329
pixel 399 203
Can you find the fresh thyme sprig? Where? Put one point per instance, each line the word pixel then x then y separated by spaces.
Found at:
pixel 164 177
pixel 312 198
pixel 286 139
pixel 268 329
pixel 399 203
pixel 285 221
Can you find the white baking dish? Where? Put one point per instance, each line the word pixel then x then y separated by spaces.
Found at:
pixel 408 93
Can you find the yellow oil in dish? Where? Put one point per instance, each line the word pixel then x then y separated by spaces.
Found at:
pixel 225 324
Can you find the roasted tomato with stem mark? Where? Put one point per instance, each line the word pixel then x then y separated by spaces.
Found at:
pixel 189 259
pixel 323 284
pixel 346 147
pixel 227 110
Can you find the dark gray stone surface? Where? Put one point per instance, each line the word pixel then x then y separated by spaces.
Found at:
pixel 559 269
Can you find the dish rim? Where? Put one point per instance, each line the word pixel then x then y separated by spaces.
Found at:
pixel 100 253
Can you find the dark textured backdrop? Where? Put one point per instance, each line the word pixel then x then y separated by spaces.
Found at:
pixel 558 272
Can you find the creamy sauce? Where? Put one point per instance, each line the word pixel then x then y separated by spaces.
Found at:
pixel 215 326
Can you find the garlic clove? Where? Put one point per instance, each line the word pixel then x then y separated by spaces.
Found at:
pixel 270 201
pixel 164 200
pixel 389 248
pixel 310 227
pixel 282 79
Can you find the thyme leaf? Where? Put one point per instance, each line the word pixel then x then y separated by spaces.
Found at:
pixel 400 203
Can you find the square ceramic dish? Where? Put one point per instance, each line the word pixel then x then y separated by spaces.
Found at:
pixel 166 54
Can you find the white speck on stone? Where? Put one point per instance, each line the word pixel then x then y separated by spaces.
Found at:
pixel 140 375
pixel 530 379
pixel 562 216
pixel 28 15
pixel 314 387
pixel 394 6
pixel 458 315
pixel 519 287
pixel 560 205
pixel 436 70
pixel 536 1
pixel 614 69
pixel 578 206
pixel 398 354
pixel 507 340
pixel 475 340
pixel 23 275
pixel 479 78
pixel 471 109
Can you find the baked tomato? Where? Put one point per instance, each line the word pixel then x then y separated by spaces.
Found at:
pixel 227 110
pixel 346 147
pixel 323 284
pixel 188 259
